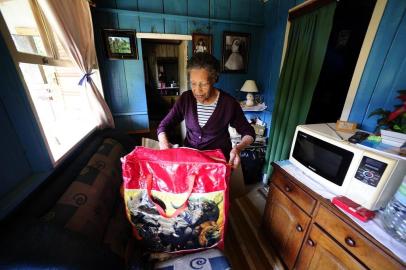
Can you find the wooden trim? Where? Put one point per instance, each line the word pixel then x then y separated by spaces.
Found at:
pixel 29 58
pixel 164 36
pixel 43 32
pixel 363 57
pixel 285 45
pixel 155 15
pixel 14 55
pixel 306 7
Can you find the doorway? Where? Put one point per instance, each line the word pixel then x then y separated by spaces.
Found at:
pixel 164 58
pixel 350 24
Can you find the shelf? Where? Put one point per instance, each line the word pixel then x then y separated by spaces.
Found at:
pixel 256 108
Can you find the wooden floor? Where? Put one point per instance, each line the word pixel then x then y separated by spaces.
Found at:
pixel 246 245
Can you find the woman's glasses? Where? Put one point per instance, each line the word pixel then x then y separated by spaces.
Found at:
pixel 201 85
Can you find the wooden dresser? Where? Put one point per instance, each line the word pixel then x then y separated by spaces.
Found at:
pixel 308 232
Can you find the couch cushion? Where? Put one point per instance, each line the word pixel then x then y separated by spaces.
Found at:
pixel 87 204
pixel 107 159
pixel 118 232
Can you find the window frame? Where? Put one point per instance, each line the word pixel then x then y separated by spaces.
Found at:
pixel 51 59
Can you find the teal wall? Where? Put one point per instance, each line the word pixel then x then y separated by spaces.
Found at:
pixel 276 16
pixel 23 155
pixel 123 80
pixel 384 73
pixel 385 70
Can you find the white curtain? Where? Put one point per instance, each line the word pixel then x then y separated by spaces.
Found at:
pixel 72 22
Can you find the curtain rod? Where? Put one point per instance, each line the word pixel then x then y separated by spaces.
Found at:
pixel 307 7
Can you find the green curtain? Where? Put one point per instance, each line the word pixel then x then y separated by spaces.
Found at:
pixel 307 44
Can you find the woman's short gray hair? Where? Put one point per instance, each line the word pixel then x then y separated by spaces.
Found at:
pixel 206 61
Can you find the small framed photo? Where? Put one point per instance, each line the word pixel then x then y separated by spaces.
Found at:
pixel 202 43
pixel 120 44
pixel 235 52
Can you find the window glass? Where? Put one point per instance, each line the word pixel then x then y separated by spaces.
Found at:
pixel 62 54
pixel 61 104
pixel 22 26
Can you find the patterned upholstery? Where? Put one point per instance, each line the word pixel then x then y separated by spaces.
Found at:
pixel 90 205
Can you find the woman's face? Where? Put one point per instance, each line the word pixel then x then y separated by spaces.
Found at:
pixel 202 85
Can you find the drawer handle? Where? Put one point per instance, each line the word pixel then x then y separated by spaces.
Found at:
pixel 288 189
pixel 349 241
pixel 310 242
pixel 299 228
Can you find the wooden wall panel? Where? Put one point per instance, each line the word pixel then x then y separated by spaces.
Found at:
pixel 134 69
pixel 14 163
pixel 125 4
pixel 123 79
pixel 152 25
pixel 16 103
pixel 175 7
pixel 276 14
pixel 132 122
pixel 176 27
pixel 198 8
pixel 384 72
pixel 126 21
pixel 220 9
pixel 150 5
pixel 240 10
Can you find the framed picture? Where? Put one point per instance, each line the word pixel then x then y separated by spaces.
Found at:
pixel 120 44
pixel 202 43
pixel 235 52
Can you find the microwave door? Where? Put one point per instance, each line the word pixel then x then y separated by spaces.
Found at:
pixel 325 159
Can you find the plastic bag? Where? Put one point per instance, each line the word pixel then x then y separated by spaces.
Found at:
pixel 176 199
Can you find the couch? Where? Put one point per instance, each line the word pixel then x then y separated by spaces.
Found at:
pixel 76 218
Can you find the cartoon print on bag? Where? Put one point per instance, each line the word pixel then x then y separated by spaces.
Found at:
pixel 196 227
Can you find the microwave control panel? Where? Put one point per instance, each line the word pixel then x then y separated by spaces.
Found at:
pixel 370 171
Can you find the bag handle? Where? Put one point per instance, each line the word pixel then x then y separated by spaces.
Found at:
pixel 179 210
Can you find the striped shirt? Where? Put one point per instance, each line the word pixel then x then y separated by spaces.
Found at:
pixel 205 111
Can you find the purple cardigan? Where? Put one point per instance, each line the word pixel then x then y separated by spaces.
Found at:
pixel 214 134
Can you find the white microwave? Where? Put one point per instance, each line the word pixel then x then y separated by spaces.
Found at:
pixel 366 176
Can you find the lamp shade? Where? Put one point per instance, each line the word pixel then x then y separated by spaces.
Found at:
pixel 249 87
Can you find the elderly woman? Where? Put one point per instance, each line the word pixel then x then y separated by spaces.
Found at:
pixel 207 112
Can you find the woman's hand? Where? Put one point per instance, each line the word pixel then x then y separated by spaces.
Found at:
pixel 235 152
pixel 163 141
pixel 234 158
pixel 163 145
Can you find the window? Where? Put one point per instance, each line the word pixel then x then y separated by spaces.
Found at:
pixel 51 79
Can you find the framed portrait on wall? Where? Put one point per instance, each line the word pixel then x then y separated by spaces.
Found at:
pixel 235 52
pixel 202 43
pixel 120 44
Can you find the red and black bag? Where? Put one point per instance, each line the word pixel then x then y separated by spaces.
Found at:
pixel 176 199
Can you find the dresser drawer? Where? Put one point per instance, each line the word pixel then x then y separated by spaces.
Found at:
pixel 366 251
pixel 294 192
pixel 320 252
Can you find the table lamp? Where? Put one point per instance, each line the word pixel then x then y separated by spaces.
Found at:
pixel 249 87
